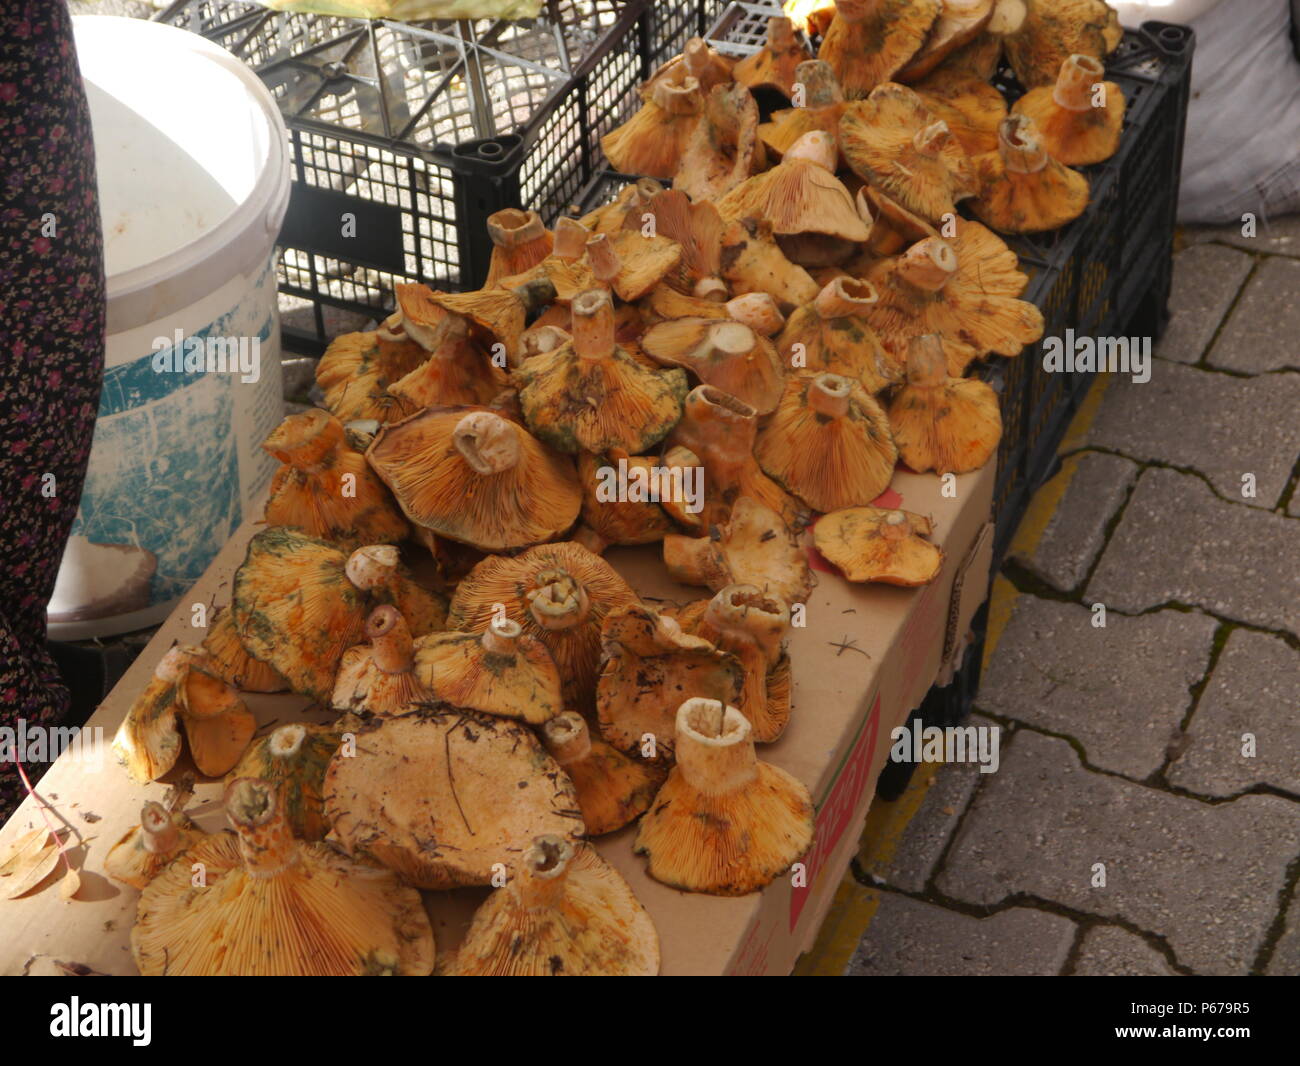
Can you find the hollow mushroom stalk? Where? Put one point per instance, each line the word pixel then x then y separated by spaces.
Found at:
pixel 379 677
pixel 591 395
pixel 613 789
pixel 564 912
pixel 1025 190
pixel 502 672
pixel 1080 118
pixel 724 822
pixel 520 241
pixel 833 335
pixel 274 906
pixel 163 833
pixel 652 141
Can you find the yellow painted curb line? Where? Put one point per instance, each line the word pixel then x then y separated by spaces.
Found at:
pixel 851 912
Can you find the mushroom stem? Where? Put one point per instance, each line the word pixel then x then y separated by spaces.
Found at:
pixel 488 443
pixel 1008 17
pixel 820 86
pixel 570 239
pixel 696 56
pixel 307 441
pixel 265 839
pixel 895 527
pixel 927 365
pixel 540 884
pixel 593 324
pixel 730 340
pixel 715 752
pixel 542 339
pixel 1074 85
pixel 758 311
pixel 1019 146
pixel 845 297
pixel 159 834
pixel 780 34
pixel 559 601
pixel 568 738
pixel 744 612
pixel 513 227
pixel 286 741
pixel 817 147
pixel 391 645
pixel 681 98
pixel 605 263
pixel 828 395
pixel 711 288
pixel 371 566
pixel 930 139
pixel 928 264
pixel 501 636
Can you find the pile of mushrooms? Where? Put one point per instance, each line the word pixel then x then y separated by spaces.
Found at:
pixel 728 371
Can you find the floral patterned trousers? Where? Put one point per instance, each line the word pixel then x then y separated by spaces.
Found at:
pixel 51 344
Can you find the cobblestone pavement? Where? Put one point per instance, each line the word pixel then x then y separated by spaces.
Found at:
pixel 1145 816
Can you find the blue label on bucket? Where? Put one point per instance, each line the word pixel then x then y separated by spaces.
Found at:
pixel 164 467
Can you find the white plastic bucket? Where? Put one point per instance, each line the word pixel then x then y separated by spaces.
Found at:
pixel 193 184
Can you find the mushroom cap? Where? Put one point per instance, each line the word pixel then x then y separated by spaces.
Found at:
pixel 798 195
pixel 357 368
pixel 959 23
pixel 499 315
pixel 441 795
pixel 976 310
pixel 643 261
pixel 502 671
pixel 325 487
pixel 724 148
pixel 1075 137
pixel 752 261
pixel 707 66
pixel 652 141
pixel 577 403
pixel 218 726
pixel 867 43
pixel 1052 31
pixel 837 337
pixel 723 353
pixel 294 758
pixel 893 142
pixel 520 240
pixel 696 228
pixel 741 620
pixel 379 678
pixel 517 583
pixel 614 789
pixel 893 227
pixel 622 521
pixel 320 915
pixel 564 912
pixel 773 66
pixel 880 545
pixel 229 661
pixel 970 106
pixel 1025 190
pixel 942 423
pixel 470 475
pixel 296 609
pixel 829 443
pixel 148 743
pixel 165 830
pixel 650 666
pixel 724 822
pixel 457 372
pixel 754 547
pixel 419 312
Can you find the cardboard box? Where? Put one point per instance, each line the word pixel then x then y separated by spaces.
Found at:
pixel 865 659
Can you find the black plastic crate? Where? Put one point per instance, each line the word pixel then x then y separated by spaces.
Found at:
pixel 420 130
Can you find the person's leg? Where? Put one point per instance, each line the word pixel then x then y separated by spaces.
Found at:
pixel 51 342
